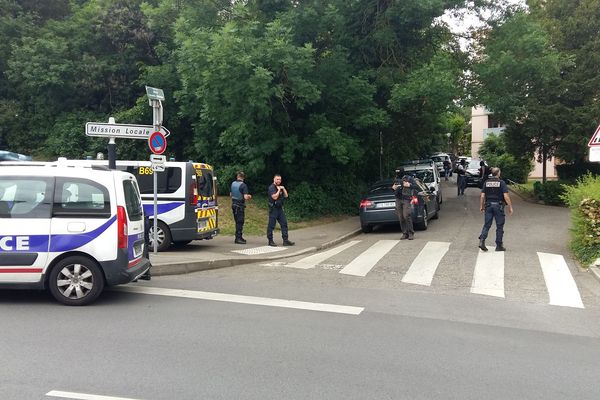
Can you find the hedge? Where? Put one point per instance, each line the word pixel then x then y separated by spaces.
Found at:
pixel 583 199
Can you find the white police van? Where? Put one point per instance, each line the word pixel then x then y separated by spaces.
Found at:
pixel 71 230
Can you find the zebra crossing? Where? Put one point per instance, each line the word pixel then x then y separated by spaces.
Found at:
pixel 488 276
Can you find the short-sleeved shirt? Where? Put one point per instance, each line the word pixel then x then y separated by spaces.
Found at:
pixel 271 191
pixel 242 189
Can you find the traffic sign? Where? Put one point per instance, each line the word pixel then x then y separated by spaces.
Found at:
pixel 157 143
pixel 595 140
pixel 594 154
pixel 122 130
pixel 158 162
pixel 154 93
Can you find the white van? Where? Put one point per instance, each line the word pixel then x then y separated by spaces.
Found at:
pixel 71 230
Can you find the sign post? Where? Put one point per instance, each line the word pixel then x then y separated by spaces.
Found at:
pixel 594 146
pixel 157 142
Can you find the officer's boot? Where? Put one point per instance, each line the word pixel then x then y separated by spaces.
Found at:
pixel 500 247
pixel 272 243
pixel 482 245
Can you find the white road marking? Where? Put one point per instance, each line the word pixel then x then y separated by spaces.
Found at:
pixel 362 264
pixel 488 277
pixel 232 298
pixel 562 288
pixel 259 250
pixel 423 267
pixel 312 261
pixel 83 396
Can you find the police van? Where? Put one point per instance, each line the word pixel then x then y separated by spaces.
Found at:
pixel 72 230
pixel 186 199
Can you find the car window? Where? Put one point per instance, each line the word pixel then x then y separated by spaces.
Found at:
pixel 133 203
pixel 426 175
pixel 80 197
pixel 25 197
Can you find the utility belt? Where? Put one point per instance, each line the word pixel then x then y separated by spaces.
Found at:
pixel 238 204
pixel 494 204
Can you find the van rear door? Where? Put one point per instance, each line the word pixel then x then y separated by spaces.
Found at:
pixel 25 209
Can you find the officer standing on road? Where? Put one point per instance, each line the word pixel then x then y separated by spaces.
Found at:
pixel 404 189
pixel 484 172
pixel 447 167
pixel 494 195
pixel 461 180
pixel 276 196
pixel 239 194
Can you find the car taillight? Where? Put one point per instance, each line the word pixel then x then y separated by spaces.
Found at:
pixel 121 227
pixel 193 194
pixel 366 203
pixel 414 200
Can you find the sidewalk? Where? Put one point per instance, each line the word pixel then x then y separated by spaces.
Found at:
pixel 221 252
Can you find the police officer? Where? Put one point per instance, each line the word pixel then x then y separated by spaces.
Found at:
pixel 484 172
pixel 277 194
pixel 239 194
pixel 494 196
pixel 404 189
pixel 461 180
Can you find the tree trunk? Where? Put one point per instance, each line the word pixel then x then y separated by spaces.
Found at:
pixel 544 158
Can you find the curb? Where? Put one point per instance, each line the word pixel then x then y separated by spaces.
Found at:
pixel 595 272
pixel 188 267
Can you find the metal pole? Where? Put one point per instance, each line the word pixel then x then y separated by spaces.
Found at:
pixel 380 156
pixel 156 121
pixel 112 149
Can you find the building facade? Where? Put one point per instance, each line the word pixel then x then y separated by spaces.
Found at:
pixel 483 124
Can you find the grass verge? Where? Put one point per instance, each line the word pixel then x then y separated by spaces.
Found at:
pixel 257 217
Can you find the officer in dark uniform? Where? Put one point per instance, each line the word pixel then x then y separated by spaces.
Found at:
pixel 484 172
pixel 404 189
pixel 239 195
pixel 276 197
pixel 494 196
pixel 461 180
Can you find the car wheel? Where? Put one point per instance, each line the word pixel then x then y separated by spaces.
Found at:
pixel 76 281
pixel 423 224
pixel 366 228
pixel 163 236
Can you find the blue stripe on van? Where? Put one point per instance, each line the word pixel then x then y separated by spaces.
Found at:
pixel 66 242
pixel 161 208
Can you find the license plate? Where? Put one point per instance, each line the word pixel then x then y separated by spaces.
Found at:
pixel 202 225
pixel 138 249
pixel 386 205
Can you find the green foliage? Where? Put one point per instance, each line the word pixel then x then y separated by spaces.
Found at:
pixel 570 172
pixel 583 199
pixel 493 150
pixel 550 192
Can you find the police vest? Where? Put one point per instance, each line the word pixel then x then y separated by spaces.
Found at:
pixel 236 193
pixel 492 190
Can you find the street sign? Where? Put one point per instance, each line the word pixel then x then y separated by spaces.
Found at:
pixel 158 162
pixel 122 130
pixel 594 153
pixel 157 143
pixel 155 94
pixel 595 140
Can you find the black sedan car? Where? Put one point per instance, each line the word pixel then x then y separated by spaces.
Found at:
pixel 472 173
pixel 378 207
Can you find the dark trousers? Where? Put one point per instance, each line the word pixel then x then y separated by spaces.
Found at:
pixel 277 215
pixel 493 211
pixel 446 173
pixel 238 217
pixel 404 212
pixel 461 182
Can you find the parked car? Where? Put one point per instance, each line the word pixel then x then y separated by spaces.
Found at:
pixel 472 173
pixel 10 156
pixel 439 159
pixel 378 206
pixel 428 174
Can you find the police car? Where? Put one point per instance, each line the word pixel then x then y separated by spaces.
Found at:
pixel 71 230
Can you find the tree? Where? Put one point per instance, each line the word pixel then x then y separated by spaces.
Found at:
pixel 518 77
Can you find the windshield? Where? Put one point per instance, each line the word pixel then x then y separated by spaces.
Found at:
pixel 425 175
pixel 474 164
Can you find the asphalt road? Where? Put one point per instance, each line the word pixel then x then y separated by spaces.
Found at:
pixel 393 340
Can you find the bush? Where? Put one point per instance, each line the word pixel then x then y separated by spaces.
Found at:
pixel 308 200
pixel 570 172
pixel 550 192
pixel 583 199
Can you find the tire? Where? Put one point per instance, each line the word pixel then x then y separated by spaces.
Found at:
pixel 423 225
pixel 164 236
pixel 366 228
pixel 76 281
